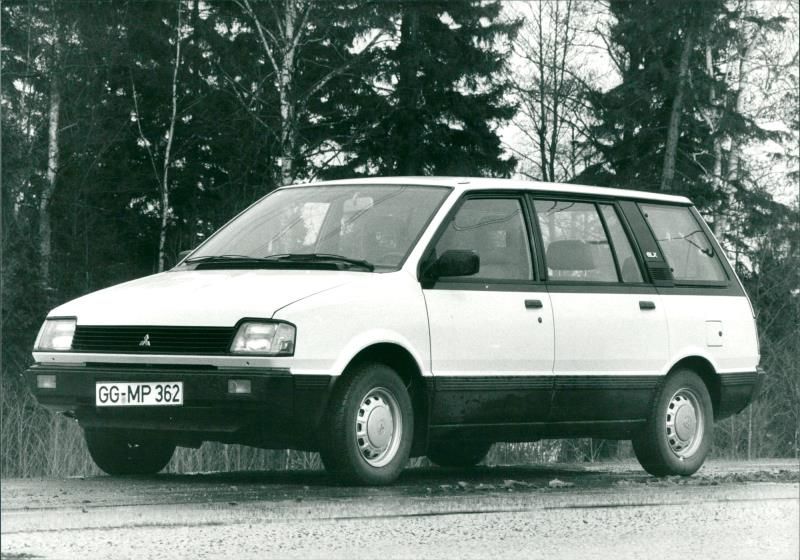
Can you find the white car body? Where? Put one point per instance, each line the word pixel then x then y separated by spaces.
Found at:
pixel 577 344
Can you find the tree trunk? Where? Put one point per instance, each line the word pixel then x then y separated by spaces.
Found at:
pixel 49 187
pixel 408 162
pixel 281 49
pixel 562 27
pixel 162 237
pixel 725 184
pixel 288 125
pixel 713 119
pixel 541 129
pixel 673 132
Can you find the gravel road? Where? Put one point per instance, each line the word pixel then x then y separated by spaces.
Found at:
pixel 727 511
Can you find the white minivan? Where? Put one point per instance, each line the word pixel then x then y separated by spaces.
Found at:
pixel 377 319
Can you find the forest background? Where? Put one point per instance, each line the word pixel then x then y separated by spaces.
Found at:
pixel 131 130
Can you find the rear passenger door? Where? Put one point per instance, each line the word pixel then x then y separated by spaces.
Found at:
pixel 610 328
pixel 491 333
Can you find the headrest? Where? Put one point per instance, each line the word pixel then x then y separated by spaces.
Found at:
pixel 570 254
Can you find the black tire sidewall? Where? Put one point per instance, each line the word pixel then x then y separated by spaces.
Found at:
pixel 341 453
pixel 652 448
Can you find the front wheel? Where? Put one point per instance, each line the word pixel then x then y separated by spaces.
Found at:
pixel 369 427
pixel 122 453
pixel 677 437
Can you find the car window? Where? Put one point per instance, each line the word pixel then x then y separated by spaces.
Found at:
pixel 494 228
pixel 377 223
pixel 686 248
pixel 576 248
pixel 626 260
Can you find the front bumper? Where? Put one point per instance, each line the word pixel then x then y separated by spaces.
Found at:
pixel 282 410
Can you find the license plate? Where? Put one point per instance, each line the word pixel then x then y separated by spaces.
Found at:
pixel 167 393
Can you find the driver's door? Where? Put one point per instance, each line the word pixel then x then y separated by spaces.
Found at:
pixel 491 333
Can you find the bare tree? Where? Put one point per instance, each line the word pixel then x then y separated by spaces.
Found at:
pixel 759 67
pixel 49 187
pixel 282 41
pixel 53 120
pixel 162 176
pixel 549 90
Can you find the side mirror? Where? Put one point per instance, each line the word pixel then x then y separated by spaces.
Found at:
pixel 456 263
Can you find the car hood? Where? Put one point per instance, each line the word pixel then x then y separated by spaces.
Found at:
pixel 201 297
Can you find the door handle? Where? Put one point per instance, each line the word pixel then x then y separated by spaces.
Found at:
pixel 533 304
pixel 647 305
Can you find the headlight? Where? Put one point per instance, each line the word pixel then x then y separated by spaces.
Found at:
pixel 275 339
pixel 55 334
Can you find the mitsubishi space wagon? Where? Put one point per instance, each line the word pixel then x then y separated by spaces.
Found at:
pixel 373 320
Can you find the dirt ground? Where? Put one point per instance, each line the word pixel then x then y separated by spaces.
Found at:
pixel 615 510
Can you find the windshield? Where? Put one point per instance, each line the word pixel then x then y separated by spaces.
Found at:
pixel 377 224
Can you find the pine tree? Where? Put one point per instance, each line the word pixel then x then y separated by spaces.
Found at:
pixel 657 49
pixel 430 101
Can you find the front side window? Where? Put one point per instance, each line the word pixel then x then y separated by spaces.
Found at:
pixel 494 228
pixel 374 223
pixel 686 248
pixel 576 248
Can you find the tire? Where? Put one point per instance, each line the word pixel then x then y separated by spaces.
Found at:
pixel 122 453
pixel 368 427
pixel 678 433
pixel 458 453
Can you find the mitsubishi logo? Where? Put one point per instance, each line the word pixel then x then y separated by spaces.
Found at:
pixel 145 341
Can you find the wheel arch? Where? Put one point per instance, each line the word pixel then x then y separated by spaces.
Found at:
pixel 707 373
pixel 403 362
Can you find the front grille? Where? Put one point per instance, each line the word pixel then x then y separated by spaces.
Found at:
pixel 153 340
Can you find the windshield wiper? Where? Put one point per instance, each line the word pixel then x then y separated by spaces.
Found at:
pixel 320 257
pixel 223 258
pixel 287 259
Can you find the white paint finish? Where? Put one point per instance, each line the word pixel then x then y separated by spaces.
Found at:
pixel 208 298
pixel 333 326
pixel 715 335
pixel 687 316
pixel 477 332
pixel 608 333
pixel 338 313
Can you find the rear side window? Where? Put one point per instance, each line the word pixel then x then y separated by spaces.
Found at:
pixel 576 248
pixel 628 267
pixel 686 248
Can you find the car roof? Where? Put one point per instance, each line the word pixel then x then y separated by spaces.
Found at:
pixel 473 183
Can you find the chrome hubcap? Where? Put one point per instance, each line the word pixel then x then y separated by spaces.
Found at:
pixel 379 427
pixel 684 423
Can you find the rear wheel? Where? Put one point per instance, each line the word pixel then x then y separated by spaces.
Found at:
pixel 458 453
pixel 369 427
pixel 120 453
pixel 677 437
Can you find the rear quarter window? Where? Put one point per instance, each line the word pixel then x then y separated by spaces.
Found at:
pixel 686 248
